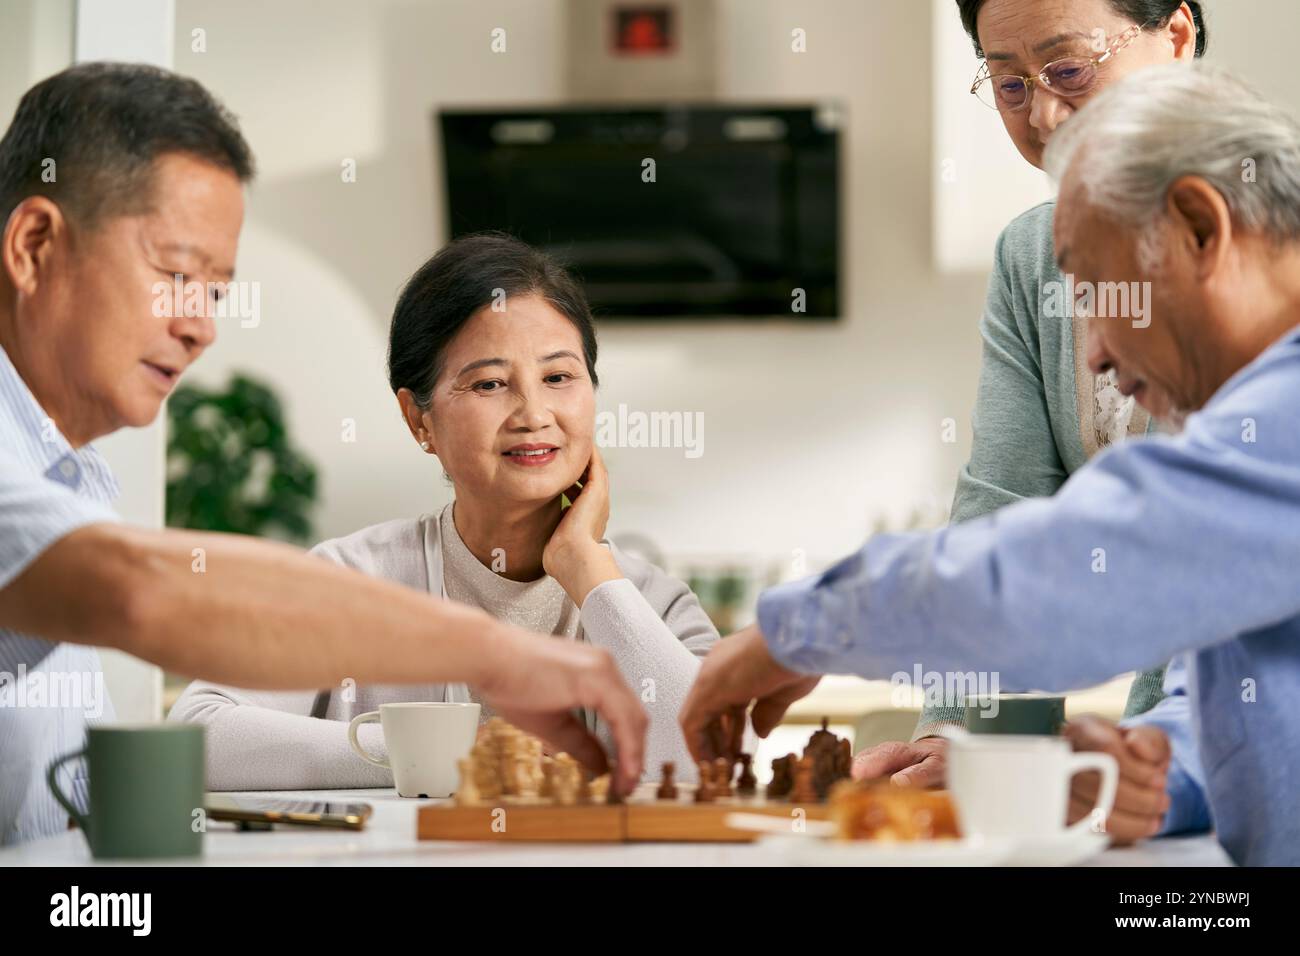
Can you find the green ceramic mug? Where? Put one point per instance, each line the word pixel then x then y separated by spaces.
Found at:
pixel 1035 714
pixel 146 782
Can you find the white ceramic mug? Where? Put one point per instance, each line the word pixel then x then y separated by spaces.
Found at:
pixel 1011 785
pixel 424 741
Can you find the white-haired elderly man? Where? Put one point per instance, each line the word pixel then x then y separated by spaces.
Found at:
pixel 1188 183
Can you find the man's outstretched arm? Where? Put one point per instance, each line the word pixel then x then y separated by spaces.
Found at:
pixel 266 615
pixel 1155 547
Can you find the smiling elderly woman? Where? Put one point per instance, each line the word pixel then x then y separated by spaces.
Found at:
pixel 492 356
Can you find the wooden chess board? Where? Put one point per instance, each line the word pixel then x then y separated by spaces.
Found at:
pixel 642 818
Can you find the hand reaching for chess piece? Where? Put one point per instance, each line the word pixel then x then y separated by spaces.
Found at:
pixel 737 671
pixel 537 685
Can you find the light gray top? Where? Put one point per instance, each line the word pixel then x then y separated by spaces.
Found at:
pixel 649 621
pixel 540 606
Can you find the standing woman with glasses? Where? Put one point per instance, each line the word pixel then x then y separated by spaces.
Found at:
pixel 1040 413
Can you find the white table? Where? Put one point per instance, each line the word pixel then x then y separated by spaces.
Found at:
pixel 389 840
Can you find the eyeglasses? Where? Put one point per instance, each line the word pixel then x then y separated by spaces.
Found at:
pixel 1070 76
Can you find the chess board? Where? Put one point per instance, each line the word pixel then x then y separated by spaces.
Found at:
pixel 641 818
pixel 510 790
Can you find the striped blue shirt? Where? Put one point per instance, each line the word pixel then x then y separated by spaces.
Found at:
pixel 48 691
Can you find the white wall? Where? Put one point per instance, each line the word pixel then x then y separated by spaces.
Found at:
pixel 35 41
pixel 350 81
pixel 1255 38
pixel 979 174
pixel 811 434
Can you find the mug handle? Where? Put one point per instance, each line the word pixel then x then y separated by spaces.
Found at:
pixel 51 777
pixel 1109 768
pixel 371 717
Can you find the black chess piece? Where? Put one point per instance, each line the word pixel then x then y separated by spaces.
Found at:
pixel 747 783
pixel 667 786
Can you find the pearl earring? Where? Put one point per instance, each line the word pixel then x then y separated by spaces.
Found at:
pixel 424 445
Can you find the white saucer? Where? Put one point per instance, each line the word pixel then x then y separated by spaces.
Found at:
pixel 1059 849
pixel 806 850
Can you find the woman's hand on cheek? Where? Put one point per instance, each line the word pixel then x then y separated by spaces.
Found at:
pixel 574 556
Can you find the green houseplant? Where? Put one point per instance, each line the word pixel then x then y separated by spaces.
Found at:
pixel 230 464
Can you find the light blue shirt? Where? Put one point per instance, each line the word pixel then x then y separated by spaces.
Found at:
pixel 1188 810
pixel 1158 546
pixel 48 691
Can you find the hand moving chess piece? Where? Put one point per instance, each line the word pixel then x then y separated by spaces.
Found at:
pixel 667 786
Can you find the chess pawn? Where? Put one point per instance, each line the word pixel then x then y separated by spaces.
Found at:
pixel 844 760
pixel 782 777
pixel 511 763
pixel 487 786
pixel 467 794
pixel 747 783
pixel 566 792
pixel 722 769
pixel 530 772
pixel 704 791
pixel 804 792
pixel 667 786
pixel 488 744
pixel 483 769
pixel 547 790
pixel 513 779
pixel 599 789
pixel 567 781
pixel 530 784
